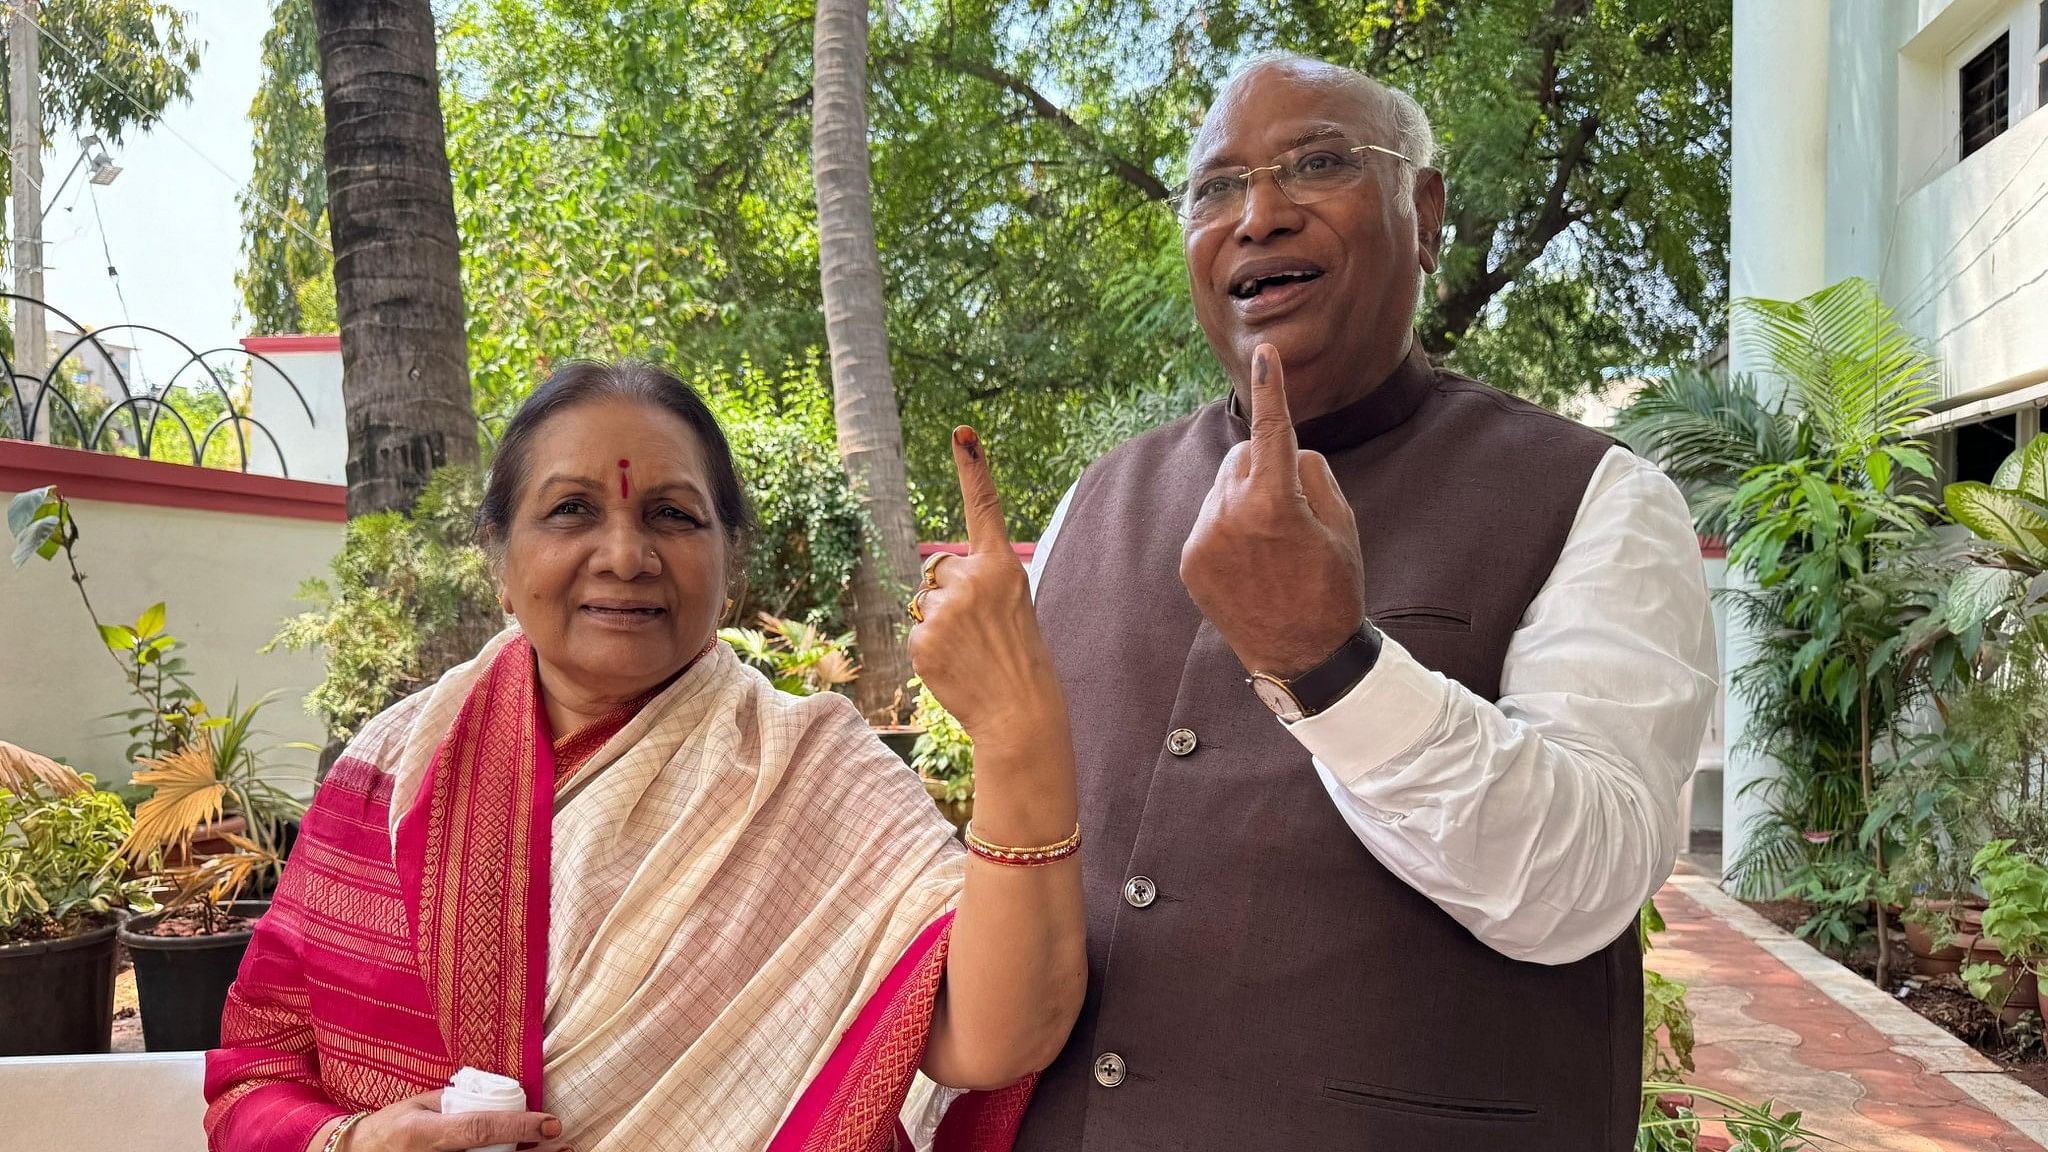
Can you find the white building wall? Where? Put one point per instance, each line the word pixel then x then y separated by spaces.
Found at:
pixel 1778 229
pixel 1966 264
pixel 316 448
pixel 227 580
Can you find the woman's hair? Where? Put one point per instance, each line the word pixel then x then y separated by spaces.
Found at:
pixel 589 381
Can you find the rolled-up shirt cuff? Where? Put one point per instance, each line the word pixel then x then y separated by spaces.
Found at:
pixel 1398 705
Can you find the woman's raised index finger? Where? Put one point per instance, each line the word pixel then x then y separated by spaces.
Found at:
pixel 986 530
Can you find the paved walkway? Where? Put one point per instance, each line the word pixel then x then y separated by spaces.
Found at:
pixel 1776 1019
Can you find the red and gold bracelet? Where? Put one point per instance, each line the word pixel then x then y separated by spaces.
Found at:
pixel 340 1132
pixel 1023 857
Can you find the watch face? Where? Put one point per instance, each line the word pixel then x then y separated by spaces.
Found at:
pixel 1276 697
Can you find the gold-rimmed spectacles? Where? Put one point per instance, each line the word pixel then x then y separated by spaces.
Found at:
pixel 1307 175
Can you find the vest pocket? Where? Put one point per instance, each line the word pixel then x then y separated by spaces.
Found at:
pixel 1419 1104
pixel 1423 618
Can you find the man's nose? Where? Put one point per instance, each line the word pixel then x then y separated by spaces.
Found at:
pixel 1268 211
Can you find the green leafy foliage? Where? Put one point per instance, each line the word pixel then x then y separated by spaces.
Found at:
pixel 1838 891
pixel 1847 604
pixel 809 522
pixel 61 866
pixel 797 658
pixel 398 582
pixel 1667 1028
pixel 2016 912
pixel 631 181
pixel 284 203
pixel 944 754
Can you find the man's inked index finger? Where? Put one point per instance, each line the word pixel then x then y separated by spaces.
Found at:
pixel 1273 445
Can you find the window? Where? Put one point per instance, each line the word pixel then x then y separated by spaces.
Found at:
pixel 1985 94
pixel 2041 60
pixel 1983 446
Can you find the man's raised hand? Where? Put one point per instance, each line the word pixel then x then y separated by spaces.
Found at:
pixel 1273 560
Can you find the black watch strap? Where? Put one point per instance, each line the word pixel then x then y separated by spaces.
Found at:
pixel 1325 684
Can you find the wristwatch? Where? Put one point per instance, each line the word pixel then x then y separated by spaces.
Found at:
pixel 1323 685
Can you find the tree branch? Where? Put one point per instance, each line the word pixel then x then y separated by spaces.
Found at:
pixel 1043 108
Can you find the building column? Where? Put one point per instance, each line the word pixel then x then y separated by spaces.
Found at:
pixel 1777 249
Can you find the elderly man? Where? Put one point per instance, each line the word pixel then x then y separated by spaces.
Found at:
pixel 1384 687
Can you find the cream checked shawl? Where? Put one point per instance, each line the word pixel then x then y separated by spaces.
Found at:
pixel 733 875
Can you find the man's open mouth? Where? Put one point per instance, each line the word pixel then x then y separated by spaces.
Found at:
pixel 1251 286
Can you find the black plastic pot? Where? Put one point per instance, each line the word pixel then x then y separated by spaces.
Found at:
pixel 182 981
pixel 57 996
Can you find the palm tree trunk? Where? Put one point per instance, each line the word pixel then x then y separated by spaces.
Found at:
pixel 856 328
pixel 397 270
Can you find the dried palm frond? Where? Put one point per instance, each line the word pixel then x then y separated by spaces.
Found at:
pixel 834 669
pixel 22 770
pixel 188 793
pixel 220 878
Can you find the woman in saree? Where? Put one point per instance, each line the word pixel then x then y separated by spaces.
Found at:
pixel 610 861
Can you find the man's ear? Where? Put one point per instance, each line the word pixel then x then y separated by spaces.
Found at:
pixel 1429 218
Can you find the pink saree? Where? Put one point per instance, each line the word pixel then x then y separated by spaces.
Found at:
pixel 391 958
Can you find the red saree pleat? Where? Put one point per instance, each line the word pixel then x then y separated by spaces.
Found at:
pixel 853 1103
pixel 472 858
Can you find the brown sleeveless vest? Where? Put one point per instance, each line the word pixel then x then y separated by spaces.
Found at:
pixel 1257 979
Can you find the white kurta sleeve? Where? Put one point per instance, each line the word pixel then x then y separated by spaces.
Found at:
pixel 1542 823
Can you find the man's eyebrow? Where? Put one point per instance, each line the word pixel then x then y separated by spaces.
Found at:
pixel 1221 157
pixel 1313 134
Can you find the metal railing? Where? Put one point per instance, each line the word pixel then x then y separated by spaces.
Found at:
pixel 28 397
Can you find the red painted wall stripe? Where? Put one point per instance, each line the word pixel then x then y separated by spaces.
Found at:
pixel 925 548
pixel 85 475
pixel 272 345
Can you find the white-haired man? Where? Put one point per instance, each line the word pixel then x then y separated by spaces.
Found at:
pixel 1401 915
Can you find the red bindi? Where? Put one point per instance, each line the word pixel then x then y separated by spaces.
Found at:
pixel 623 491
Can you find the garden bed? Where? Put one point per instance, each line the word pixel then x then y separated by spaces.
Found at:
pixel 1941 999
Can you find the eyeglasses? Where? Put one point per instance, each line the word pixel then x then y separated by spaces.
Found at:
pixel 1308 175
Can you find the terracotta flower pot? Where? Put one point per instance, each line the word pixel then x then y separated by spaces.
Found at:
pixel 2018 985
pixel 1929 960
pixel 209 840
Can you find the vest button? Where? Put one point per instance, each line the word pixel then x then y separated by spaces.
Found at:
pixel 1139 891
pixel 1181 741
pixel 1109 1069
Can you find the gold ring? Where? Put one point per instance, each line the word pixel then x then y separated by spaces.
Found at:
pixel 917 603
pixel 931 567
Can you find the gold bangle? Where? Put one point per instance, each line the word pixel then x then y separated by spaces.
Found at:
pixel 340 1130
pixel 1023 857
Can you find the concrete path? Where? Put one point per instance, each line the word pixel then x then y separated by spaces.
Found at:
pixel 1776 1019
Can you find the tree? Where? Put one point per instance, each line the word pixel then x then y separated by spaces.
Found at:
pixel 107 66
pixel 1821 505
pixel 631 181
pixel 397 269
pixel 856 328
pixel 112 65
pixel 283 259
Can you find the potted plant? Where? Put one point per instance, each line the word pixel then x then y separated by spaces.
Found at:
pixel 1936 935
pixel 187 952
pixel 796 657
pixel 2004 959
pixel 943 757
pixel 63 885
